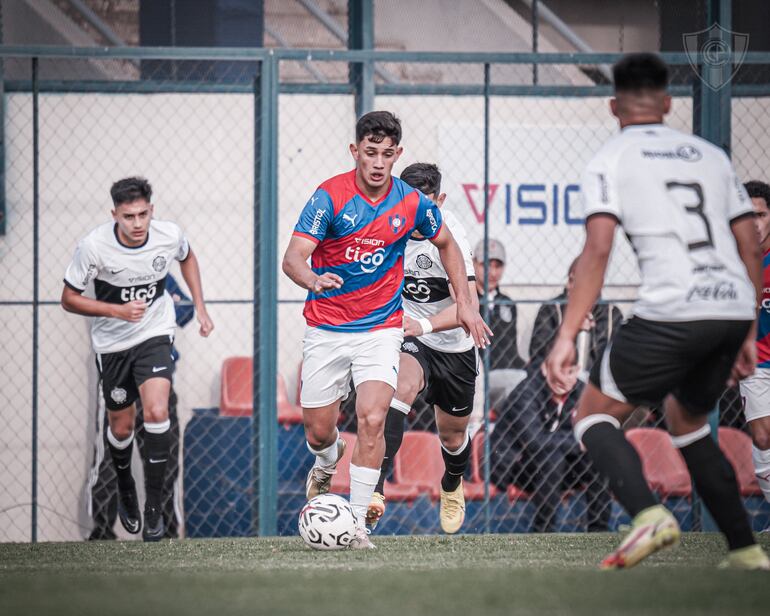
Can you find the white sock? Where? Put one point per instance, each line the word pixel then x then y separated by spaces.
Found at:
pixel 326 457
pixel 762 469
pixel 362 483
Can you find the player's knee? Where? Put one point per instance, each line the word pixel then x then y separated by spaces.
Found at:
pixel 452 440
pixel 319 436
pixel 155 412
pixel 761 438
pixel 408 389
pixel 371 421
pixel 121 430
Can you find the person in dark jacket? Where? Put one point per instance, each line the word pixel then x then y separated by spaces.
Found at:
pixel 505 363
pixel 533 448
pixel 601 323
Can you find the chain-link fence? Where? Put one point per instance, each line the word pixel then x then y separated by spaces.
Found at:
pixel 233 151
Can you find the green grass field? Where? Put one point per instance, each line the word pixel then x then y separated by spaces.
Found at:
pixel 465 575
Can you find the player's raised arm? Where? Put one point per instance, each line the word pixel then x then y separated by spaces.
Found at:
pixel 468 317
pixel 559 366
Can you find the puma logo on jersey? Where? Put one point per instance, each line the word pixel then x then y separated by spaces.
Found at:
pixel 350 219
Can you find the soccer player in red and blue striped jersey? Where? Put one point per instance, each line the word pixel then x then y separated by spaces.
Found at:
pixel 755 390
pixel 355 228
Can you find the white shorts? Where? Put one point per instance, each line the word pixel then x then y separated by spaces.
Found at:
pixel 755 391
pixel 330 358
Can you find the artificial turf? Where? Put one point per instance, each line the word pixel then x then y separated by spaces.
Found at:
pixel 464 575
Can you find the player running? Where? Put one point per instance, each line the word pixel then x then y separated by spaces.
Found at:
pixel 355 227
pixel 437 357
pixel 755 389
pixel 690 223
pixel 128 260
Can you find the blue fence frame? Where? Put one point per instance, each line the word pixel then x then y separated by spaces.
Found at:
pixel 266 90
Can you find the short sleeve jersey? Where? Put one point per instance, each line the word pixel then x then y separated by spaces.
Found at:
pixel 363 242
pixel 122 274
pixel 426 286
pixel 763 322
pixel 675 196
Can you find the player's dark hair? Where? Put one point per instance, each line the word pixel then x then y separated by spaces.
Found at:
pixel 377 125
pixel 129 190
pixel 637 72
pixel 758 190
pixel 424 177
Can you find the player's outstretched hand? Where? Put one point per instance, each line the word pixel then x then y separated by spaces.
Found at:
pixel 326 281
pixel 207 325
pixel 744 362
pixel 559 367
pixel 470 320
pixel 132 311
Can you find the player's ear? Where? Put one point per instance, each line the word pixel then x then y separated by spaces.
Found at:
pixel 666 104
pixel 354 151
pixel 114 213
pixel 440 199
pixel 152 209
pixel 614 106
pixel 399 151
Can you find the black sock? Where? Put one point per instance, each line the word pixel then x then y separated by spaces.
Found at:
pixel 715 481
pixel 121 460
pixel 455 465
pixel 616 459
pixel 394 434
pixel 156 449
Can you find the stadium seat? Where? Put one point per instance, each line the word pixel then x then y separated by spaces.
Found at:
pixel 419 462
pixel 236 392
pixel 341 479
pixel 663 466
pixel 736 446
pixel 474 489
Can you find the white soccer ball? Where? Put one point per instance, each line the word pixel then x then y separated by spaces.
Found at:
pixel 327 522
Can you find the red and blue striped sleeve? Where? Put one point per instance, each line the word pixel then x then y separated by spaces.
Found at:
pixel 316 217
pixel 428 220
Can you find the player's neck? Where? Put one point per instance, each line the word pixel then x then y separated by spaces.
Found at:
pixel 373 194
pixel 129 242
pixel 640 120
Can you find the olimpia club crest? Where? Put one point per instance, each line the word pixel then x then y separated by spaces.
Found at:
pixel 118 395
pixel 158 263
pixel 396 222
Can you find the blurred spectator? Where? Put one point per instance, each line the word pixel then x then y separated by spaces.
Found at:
pixel 533 447
pixel 505 364
pixel 602 322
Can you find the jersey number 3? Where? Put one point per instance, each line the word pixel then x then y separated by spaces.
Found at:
pixel 695 209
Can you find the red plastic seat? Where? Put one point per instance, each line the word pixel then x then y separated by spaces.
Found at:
pixel 736 446
pixel 236 392
pixel 474 489
pixel 663 466
pixel 419 462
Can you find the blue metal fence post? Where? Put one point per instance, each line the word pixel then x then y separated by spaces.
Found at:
pixel 712 122
pixel 35 286
pixel 485 303
pixel 265 466
pixel 361 36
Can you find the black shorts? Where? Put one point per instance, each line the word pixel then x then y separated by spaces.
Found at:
pixel 450 378
pixel 122 373
pixel 647 360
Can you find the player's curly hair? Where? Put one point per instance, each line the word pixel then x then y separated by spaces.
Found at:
pixel 758 190
pixel 636 72
pixel 377 125
pixel 425 177
pixel 129 190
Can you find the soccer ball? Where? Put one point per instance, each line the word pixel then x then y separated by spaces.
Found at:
pixel 327 522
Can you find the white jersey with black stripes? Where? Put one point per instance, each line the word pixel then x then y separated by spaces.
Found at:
pixel 675 196
pixel 426 286
pixel 122 274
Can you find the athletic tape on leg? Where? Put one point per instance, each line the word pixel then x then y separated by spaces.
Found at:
pixel 400 406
